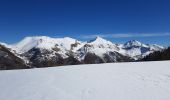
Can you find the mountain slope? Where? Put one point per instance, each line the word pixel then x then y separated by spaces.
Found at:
pixel 10 61
pixel 138 50
pixel 158 55
pixel 98 46
pixel 118 81
pixel 43 42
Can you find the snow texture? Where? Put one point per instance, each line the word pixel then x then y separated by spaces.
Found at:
pixel 118 81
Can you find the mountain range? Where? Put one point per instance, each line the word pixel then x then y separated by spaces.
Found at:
pixel 43 51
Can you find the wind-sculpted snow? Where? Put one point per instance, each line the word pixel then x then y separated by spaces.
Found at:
pixel 118 81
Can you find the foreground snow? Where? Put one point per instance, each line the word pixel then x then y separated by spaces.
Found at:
pixel 119 81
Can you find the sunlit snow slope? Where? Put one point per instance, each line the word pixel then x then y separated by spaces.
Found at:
pixel 118 81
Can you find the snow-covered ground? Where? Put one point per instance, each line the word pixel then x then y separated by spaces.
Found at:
pixel 118 81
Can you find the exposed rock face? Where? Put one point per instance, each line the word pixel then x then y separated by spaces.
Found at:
pixel 10 61
pixel 91 58
pixel 43 58
pixel 116 57
pixel 71 61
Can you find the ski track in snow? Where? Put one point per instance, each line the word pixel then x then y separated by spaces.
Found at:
pixel 118 81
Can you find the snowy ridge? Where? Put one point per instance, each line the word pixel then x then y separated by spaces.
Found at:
pixel 98 41
pixel 98 46
pixel 68 46
pixel 137 50
pixel 43 42
pixel 118 81
pixel 134 43
pixel 6 45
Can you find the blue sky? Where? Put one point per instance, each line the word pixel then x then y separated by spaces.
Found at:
pixel 117 20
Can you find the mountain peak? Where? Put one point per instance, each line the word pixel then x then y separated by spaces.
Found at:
pixel 42 42
pixel 133 43
pixel 99 43
pixel 99 40
pixel 98 37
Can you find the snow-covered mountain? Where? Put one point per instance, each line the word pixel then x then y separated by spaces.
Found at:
pixel 43 42
pixel 98 46
pixel 46 51
pixel 138 50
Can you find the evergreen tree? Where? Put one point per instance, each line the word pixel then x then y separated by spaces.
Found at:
pixel 158 55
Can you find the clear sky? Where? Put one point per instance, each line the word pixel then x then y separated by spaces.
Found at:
pixel 117 20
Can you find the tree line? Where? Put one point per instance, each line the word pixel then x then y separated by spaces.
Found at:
pixel 158 55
